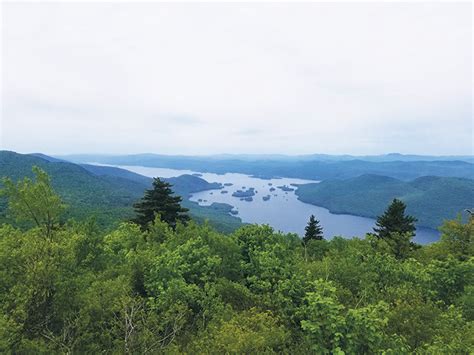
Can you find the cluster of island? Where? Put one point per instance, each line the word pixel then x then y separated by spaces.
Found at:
pixel 245 195
pixel 248 193
pixel 343 196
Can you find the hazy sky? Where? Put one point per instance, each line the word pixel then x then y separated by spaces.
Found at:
pixel 187 78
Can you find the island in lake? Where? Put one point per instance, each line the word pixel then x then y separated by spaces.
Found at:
pixel 285 188
pixel 244 193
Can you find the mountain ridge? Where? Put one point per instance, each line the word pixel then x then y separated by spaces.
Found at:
pixel 108 192
pixel 431 199
pixel 304 169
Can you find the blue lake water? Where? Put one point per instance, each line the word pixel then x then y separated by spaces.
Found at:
pixel 283 211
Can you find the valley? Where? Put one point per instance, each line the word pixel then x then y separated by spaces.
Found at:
pixel 107 193
pixel 345 206
pixel 283 210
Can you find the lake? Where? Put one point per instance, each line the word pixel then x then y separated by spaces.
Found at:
pixel 283 211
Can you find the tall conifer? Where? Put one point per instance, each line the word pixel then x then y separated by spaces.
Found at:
pixel 394 220
pixel 160 200
pixel 314 231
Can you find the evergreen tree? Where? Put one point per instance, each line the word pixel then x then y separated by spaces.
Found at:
pixel 397 229
pixel 394 220
pixel 160 200
pixel 314 231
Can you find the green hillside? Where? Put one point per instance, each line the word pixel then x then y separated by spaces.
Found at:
pixel 107 197
pixel 187 184
pixel 117 172
pixel 430 199
pixel 108 193
pixel 73 288
pixel 307 168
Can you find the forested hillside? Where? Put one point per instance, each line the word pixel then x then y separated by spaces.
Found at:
pixel 74 288
pixel 431 199
pixel 314 169
pixel 108 193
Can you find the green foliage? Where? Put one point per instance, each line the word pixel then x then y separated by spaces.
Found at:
pixel 313 231
pixel 160 201
pixel 396 244
pixel 107 193
pixel 458 238
pixel 331 328
pixel 251 331
pixel 108 198
pixel 34 201
pixel 396 229
pixel 190 289
pixel 187 184
pixel 217 215
pixel 394 220
pixel 432 199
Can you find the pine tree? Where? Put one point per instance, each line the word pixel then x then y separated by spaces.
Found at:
pixel 314 231
pixel 394 220
pixel 397 229
pixel 160 200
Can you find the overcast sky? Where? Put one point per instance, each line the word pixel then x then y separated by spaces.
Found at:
pixel 183 78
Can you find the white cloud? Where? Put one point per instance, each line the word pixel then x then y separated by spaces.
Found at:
pixel 239 78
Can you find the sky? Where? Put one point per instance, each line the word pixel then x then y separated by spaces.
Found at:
pixel 209 78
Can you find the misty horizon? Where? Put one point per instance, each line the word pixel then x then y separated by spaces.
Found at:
pixel 206 79
pixel 224 154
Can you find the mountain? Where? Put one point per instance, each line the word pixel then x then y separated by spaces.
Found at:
pixel 187 184
pixel 111 171
pixel 389 157
pixel 48 158
pixel 108 192
pixel 277 157
pixel 307 168
pixel 431 199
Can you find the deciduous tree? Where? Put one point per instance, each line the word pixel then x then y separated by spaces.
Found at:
pixel 34 201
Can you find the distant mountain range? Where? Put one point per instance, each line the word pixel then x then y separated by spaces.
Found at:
pixel 434 190
pixel 431 199
pixel 338 167
pixel 345 157
pixel 109 192
pixel 279 157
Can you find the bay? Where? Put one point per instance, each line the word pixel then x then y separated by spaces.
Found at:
pixel 283 211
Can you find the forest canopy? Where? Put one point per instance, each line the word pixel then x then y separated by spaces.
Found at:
pixel 73 287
